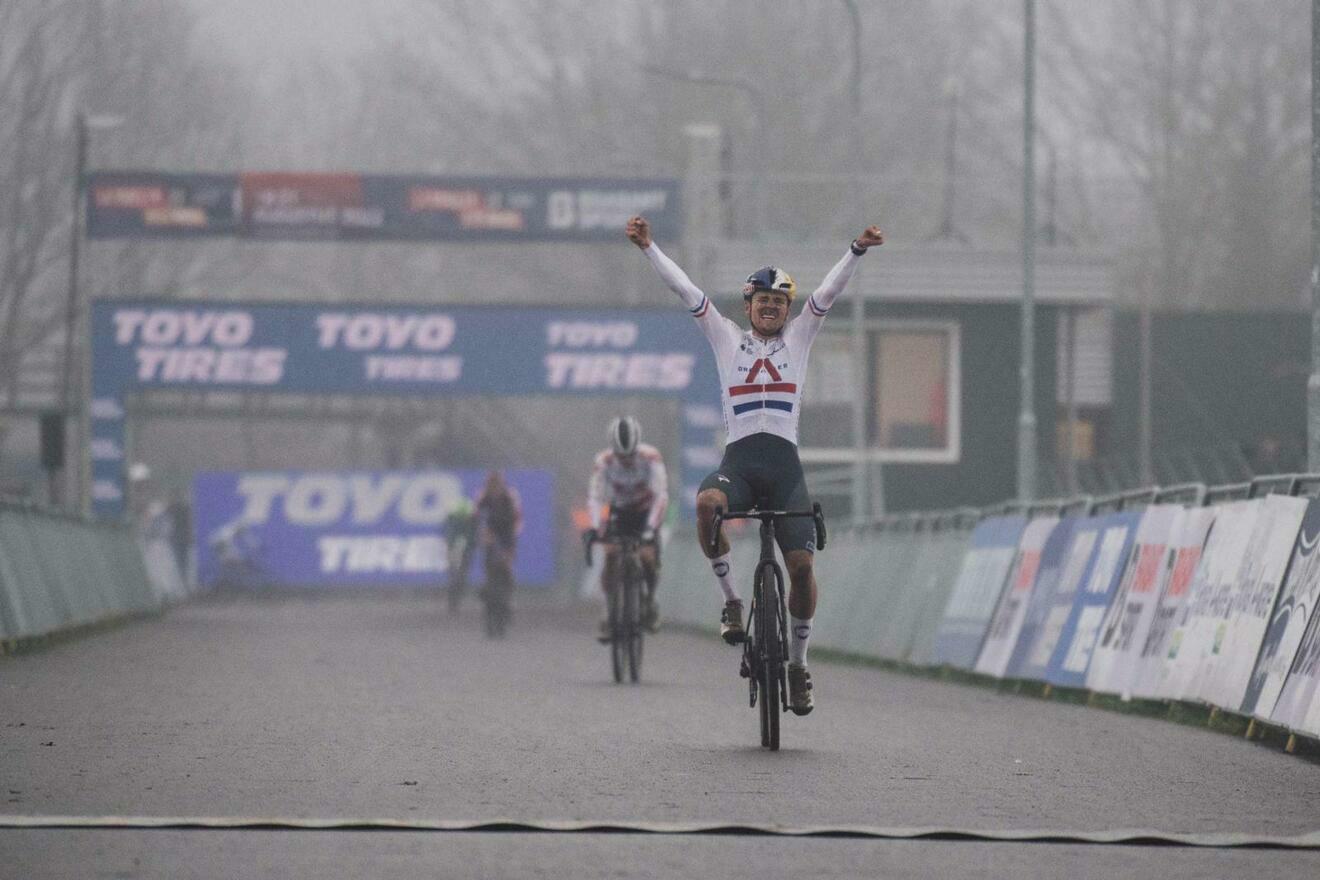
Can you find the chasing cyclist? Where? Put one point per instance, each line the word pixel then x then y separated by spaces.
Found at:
pixel 500 518
pixel 762 371
pixel 630 477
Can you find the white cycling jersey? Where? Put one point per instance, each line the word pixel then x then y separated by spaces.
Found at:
pixel 761 380
pixel 638 484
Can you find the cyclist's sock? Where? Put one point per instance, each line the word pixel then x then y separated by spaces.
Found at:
pixel 799 634
pixel 720 565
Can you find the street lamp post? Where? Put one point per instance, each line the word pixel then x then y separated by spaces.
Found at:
pixel 1313 384
pixel 1026 458
pixel 756 101
pixel 75 492
pixel 863 471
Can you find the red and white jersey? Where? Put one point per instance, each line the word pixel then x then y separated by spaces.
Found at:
pixel 761 380
pixel 638 484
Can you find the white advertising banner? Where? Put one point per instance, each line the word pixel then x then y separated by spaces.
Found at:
pixel 1241 628
pixel 1211 594
pixel 1012 609
pixel 1298 706
pixel 1128 618
pixel 1186 546
pixel 1288 624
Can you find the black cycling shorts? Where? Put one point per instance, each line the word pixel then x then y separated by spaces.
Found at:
pixel 763 471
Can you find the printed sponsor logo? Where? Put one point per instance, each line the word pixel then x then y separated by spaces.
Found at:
pixel 107 490
pixel 370 331
pixel 592 334
pixel 592 209
pixel 667 372
pixel 376 554
pixel 360 499
pixel 106 449
pixel 703 416
pixel 106 408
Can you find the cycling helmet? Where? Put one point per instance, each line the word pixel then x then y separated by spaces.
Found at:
pixel 770 278
pixel 625 434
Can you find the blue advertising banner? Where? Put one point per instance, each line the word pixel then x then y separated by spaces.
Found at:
pixel 976 593
pixel 395 350
pixel 1048 578
pixel 1072 654
pixel 149 204
pixel 383 528
pixel 365 207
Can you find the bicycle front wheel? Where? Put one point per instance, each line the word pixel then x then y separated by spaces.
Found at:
pixel 632 616
pixel 768 627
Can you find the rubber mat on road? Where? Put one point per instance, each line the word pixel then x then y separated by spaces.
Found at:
pixel 1124 837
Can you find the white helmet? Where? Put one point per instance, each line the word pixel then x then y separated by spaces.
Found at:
pixel 625 434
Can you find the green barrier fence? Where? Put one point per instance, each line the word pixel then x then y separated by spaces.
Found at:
pixel 60 572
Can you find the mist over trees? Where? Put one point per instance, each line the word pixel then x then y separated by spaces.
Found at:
pixel 1173 134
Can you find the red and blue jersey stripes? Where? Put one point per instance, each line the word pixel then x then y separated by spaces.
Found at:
pixel 815 307
pixel 776 386
pixel 700 309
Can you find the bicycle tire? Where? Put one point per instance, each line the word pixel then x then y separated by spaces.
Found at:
pixel 616 644
pixel 758 657
pixel 632 619
pixel 772 664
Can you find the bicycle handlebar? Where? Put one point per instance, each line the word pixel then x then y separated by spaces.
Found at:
pixel 608 538
pixel 817 516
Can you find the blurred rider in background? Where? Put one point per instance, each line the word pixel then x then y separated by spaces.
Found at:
pixel 630 477
pixel 500 519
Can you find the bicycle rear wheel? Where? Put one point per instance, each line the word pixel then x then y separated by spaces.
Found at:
pixel 772 661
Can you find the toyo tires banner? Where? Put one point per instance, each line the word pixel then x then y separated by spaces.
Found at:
pixel 403 350
pixel 382 528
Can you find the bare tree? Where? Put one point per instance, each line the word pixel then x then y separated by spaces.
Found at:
pixel 1202 110
pixel 62 58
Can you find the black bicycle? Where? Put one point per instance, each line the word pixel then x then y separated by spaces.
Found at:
pixel 625 606
pixel 765 645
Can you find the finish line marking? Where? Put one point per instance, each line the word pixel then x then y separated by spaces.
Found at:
pixel 1123 837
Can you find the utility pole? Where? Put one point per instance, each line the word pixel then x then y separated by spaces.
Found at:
pixel 1026 459
pixel 1313 384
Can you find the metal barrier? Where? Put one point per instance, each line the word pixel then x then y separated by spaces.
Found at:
pixel 60 572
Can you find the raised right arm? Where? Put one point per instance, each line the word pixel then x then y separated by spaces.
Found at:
pixel 678 281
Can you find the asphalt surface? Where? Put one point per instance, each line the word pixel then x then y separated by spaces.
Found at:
pixel 384 707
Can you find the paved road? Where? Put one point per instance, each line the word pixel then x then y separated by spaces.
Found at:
pixel 382 707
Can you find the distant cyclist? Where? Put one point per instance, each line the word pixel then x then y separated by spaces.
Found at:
pixel 460 542
pixel 630 477
pixel 761 376
pixel 499 515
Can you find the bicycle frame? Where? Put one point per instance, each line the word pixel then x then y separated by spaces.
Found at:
pixel 624 605
pixel 765 645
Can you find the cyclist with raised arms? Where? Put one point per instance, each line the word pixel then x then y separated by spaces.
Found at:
pixel 630 477
pixel 762 371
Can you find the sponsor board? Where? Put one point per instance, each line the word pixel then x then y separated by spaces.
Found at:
pixel 976 592
pixel 1171 611
pixel 1081 630
pixel 1240 630
pixel 1270 682
pixel 399 350
pixel 1038 643
pixel 364 207
pixel 381 528
pixel 1208 600
pixel 1127 622
pixel 1006 623
pixel 1053 559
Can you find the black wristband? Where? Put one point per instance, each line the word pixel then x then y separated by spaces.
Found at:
pixel 857 252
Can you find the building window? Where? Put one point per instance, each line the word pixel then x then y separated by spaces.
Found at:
pixel 913 395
